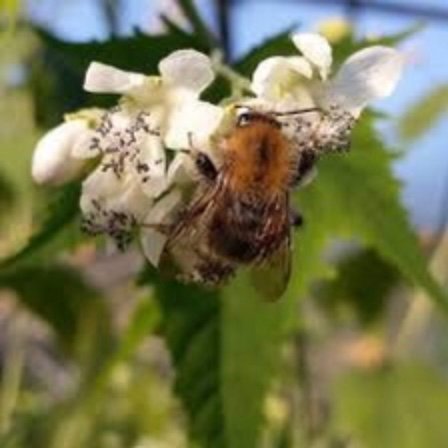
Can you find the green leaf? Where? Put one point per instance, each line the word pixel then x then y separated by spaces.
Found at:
pixel 253 331
pixel 57 294
pixel 58 227
pixel 10 9
pixel 7 196
pixel 140 52
pixel 142 322
pixel 225 347
pixel 425 113
pixel 191 325
pixel 356 195
pixel 362 284
pixel 402 406
pixel 199 27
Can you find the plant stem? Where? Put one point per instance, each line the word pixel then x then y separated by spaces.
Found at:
pixel 239 83
pixel 191 13
pixel 110 12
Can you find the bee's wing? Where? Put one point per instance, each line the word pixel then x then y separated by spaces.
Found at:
pixel 271 277
pixel 187 255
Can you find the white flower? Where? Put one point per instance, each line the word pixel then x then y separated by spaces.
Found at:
pixel 301 82
pixel 368 74
pixel 132 186
pixel 130 176
pixel 171 99
pixel 56 159
pixel 126 190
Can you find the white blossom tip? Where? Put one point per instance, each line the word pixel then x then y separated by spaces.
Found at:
pixel 187 68
pixel 316 49
pixel 52 162
pixel 102 78
pixel 369 74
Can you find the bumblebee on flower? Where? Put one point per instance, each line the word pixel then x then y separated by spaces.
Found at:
pixel 162 141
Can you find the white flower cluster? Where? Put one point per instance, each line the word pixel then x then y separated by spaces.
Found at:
pixel 132 154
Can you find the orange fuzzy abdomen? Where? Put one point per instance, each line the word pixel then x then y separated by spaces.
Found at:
pixel 258 160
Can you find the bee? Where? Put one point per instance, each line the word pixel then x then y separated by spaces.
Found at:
pixel 240 214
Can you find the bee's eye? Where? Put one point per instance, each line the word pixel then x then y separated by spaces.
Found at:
pixel 205 166
pixel 244 119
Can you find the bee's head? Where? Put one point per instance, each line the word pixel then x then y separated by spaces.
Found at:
pixel 247 117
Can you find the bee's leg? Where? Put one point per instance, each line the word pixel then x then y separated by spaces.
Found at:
pixel 164 229
pixel 295 218
pixel 202 161
pixel 306 168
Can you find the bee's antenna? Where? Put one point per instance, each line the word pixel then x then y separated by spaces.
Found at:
pixel 297 112
pixel 243 106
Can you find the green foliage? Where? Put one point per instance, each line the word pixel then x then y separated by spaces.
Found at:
pixel 229 344
pixel 7 196
pixel 424 114
pixel 362 284
pixel 225 345
pixel 199 28
pixel 402 406
pixel 349 199
pixel 56 230
pixel 10 9
pixel 253 333
pixel 141 52
pixel 211 336
pixel 357 196
pixel 57 294
pixel 104 405
pixel 10 6
pixel 191 325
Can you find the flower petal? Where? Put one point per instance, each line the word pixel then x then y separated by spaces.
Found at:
pixel 266 74
pixel 52 161
pixel 277 77
pixel 114 194
pixel 112 206
pixel 102 78
pixel 83 148
pixel 181 170
pixel 192 122
pixel 367 75
pixel 316 49
pixel 153 241
pixel 189 69
pixel 301 66
pixel 150 166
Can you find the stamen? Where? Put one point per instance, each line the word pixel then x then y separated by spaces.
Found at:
pixel 119 138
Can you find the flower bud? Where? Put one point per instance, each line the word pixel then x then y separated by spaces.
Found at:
pixel 53 163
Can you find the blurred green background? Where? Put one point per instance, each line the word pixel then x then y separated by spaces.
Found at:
pixel 97 351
